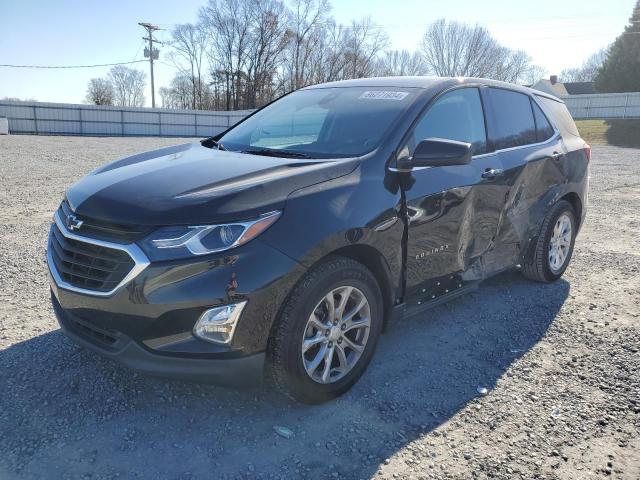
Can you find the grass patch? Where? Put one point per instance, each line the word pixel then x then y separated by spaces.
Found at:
pixel 619 132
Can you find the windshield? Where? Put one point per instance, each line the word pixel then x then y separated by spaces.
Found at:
pixel 321 123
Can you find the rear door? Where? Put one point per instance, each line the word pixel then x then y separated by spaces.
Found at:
pixel 531 154
pixel 453 212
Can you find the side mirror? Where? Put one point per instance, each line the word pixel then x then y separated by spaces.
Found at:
pixel 437 152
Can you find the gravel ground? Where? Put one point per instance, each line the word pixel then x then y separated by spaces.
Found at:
pixel 560 363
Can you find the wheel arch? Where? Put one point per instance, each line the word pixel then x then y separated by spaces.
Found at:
pixel 375 262
pixel 574 199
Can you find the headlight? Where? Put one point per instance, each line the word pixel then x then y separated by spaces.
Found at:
pixel 169 243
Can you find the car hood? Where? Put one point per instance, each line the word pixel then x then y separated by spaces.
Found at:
pixel 192 184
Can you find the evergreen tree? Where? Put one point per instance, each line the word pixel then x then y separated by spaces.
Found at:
pixel 621 70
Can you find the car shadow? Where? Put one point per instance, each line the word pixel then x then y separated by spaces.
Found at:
pixel 66 412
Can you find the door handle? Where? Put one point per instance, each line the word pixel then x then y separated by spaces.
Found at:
pixel 492 172
pixel 557 155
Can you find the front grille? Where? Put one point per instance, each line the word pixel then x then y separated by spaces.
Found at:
pixel 101 230
pixel 88 266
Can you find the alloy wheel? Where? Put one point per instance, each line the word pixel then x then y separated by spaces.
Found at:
pixel 336 334
pixel 560 243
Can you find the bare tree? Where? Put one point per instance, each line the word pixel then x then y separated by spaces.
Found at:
pixel 306 16
pixel 165 97
pixel 454 49
pixel 100 92
pixel 180 94
pixel 401 63
pixel 227 23
pixel 189 43
pixel 268 37
pixel 331 48
pixel 257 50
pixel 513 66
pixel 365 41
pixel 534 74
pixel 128 84
pixel 588 70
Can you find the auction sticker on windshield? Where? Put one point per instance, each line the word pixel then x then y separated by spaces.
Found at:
pixel 383 95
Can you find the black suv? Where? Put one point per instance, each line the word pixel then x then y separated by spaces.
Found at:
pixel 280 248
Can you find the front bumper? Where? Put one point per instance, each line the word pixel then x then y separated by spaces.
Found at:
pixel 147 323
pixel 237 372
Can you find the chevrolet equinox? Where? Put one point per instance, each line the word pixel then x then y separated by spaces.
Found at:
pixel 281 247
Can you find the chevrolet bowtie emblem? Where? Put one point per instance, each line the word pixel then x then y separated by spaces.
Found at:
pixel 73 223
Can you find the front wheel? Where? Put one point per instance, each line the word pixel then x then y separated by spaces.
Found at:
pixel 327 332
pixel 552 251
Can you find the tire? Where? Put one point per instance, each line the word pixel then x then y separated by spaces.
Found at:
pixel 288 364
pixel 538 265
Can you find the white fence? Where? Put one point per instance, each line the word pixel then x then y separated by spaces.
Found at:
pixel 604 105
pixel 70 119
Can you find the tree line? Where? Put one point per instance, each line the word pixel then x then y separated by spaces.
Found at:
pixel 241 54
pixel 616 68
pixel 123 86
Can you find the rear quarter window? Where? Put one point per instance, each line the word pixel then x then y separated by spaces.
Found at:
pixel 559 115
pixel 544 130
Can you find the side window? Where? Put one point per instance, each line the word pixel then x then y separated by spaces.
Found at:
pixel 514 119
pixel 544 130
pixel 456 115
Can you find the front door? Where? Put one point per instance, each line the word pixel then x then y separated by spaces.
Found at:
pixel 453 212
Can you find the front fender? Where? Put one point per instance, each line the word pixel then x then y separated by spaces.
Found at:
pixel 355 210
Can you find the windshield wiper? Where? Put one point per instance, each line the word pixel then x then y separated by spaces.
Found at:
pixel 276 153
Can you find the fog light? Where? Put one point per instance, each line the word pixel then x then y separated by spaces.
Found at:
pixel 218 324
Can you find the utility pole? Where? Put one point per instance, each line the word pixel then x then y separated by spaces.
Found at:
pixel 153 52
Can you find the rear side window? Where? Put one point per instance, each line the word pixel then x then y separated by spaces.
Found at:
pixel 456 115
pixel 559 115
pixel 544 130
pixel 513 116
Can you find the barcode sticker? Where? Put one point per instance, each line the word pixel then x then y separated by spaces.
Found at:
pixel 383 95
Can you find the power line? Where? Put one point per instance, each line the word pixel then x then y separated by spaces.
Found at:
pixel 135 57
pixel 8 65
pixel 596 18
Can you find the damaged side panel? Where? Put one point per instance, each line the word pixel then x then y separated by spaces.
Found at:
pixel 539 177
pixel 533 178
pixel 461 234
pixel 439 236
pixel 453 214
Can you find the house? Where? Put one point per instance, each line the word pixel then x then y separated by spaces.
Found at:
pixel 580 88
pixel 554 87
pixel 551 86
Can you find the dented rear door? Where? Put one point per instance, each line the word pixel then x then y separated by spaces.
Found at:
pixel 532 155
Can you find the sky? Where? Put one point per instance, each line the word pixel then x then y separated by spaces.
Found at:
pixel 557 34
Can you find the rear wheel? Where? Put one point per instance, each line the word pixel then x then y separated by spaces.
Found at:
pixel 552 251
pixel 327 332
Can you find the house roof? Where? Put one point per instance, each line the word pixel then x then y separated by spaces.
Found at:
pixel 545 85
pixel 580 88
